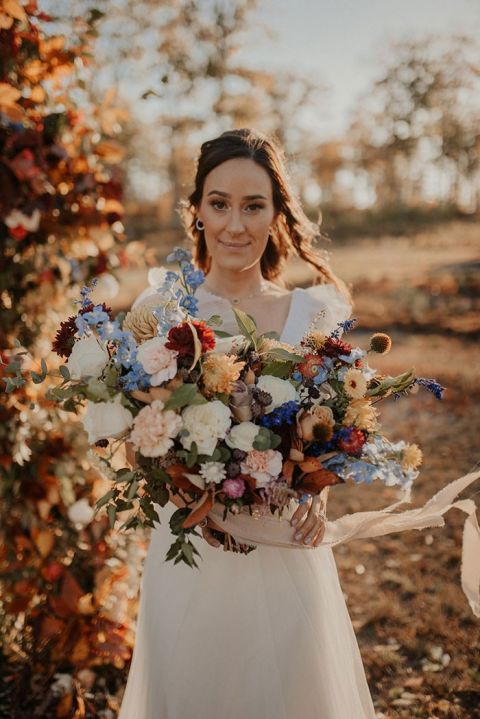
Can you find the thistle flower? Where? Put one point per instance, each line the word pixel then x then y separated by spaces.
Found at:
pixel 380 343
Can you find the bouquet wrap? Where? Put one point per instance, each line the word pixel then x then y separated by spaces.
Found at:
pixel 277 531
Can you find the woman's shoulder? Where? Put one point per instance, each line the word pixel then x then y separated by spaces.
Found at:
pixel 322 305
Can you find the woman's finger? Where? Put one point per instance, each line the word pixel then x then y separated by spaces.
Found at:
pixel 300 513
pixel 312 524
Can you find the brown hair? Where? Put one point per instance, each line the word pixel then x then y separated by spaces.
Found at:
pixel 293 231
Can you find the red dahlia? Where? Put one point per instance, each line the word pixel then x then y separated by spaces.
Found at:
pixel 354 443
pixel 181 339
pixel 333 347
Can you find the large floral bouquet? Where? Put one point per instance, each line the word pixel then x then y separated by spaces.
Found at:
pixel 241 421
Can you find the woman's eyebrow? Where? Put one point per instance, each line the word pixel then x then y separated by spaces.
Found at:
pixel 245 197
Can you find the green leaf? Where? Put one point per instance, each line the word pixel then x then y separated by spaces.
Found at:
pixel 214 320
pixel 37 378
pixel 186 394
pixel 124 475
pixel 106 498
pixel 132 490
pixel 246 325
pixel 64 371
pixel 112 515
pixel 277 369
pixel 279 353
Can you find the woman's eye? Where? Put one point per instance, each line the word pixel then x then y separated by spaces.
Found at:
pixel 255 206
pixel 214 204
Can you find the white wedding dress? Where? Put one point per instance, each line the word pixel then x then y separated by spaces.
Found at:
pixel 265 635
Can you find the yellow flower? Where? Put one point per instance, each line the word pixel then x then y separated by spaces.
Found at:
pixel 355 383
pixel 141 323
pixel 362 414
pixel 412 456
pixel 220 372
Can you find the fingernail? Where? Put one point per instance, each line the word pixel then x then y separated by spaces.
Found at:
pixel 217 544
pixel 307 540
pixel 294 522
pixel 298 535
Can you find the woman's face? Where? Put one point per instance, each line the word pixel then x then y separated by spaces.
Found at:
pixel 238 212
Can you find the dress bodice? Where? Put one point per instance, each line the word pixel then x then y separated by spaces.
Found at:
pixel 318 307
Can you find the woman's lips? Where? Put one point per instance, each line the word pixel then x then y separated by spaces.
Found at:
pixel 234 245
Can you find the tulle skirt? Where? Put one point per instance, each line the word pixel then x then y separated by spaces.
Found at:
pixel 265 635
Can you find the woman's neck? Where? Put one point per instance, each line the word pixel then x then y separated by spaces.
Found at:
pixel 231 283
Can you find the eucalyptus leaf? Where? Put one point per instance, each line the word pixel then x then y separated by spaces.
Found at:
pixel 65 372
pixel 186 394
pixel 246 325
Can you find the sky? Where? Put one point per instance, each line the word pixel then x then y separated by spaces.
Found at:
pixel 344 43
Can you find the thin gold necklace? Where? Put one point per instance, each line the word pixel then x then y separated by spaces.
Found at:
pixel 237 300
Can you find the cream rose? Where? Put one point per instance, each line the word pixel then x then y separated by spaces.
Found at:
pixel 263 466
pixel 281 390
pixel 87 359
pixel 242 436
pixel 205 424
pixel 103 420
pixel 157 360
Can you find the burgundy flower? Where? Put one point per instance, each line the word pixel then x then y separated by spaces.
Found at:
pixel 180 338
pixel 354 442
pixel 334 347
pixel 65 337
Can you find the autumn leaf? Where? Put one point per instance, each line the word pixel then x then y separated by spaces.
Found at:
pixel 199 510
pixel 314 482
pixel 44 539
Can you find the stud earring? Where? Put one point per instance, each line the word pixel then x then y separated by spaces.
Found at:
pixel 199 224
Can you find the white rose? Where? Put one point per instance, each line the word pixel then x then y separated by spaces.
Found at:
pixel 242 436
pixel 229 345
pixel 80 512
pixel 281 390
pixel 87 359
pixel 106 419
pixel 206 424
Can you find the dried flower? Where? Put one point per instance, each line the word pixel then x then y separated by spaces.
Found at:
pixel 362 414
pixel 381 343
pixel 220 372
pixel 142 323
pixel 411 457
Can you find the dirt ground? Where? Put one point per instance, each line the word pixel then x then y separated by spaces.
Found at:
pixel 419 640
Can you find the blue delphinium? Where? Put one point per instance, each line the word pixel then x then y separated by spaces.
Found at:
pixel 285 414
pixel 344 326
pixel 431 385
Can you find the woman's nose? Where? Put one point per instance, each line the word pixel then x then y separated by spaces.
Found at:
pixel 234 223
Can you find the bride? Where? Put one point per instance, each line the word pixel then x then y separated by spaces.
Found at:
pixel 264 634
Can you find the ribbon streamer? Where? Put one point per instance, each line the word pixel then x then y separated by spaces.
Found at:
pixel 277 531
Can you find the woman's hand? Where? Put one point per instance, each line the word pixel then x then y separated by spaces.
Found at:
pixel 308 520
